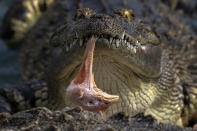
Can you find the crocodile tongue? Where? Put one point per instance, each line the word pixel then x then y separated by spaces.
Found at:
pixel 83 91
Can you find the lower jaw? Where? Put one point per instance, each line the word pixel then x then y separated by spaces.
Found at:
pixel 118 79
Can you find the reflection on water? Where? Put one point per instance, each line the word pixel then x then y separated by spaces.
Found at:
pixel 9 69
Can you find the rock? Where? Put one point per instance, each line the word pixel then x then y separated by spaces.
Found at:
pixel 42 119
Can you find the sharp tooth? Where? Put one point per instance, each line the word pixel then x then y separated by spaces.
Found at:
pixel 110 40
pixel 76 35
pixel 74 42
pixel 114 43
pixel 134 49
pixel 80 42
pixel 131 47
pixel 128 45
pixel 117 43
pixel 125 41
pixel 138 44
pixel 122 42
pixel 67 48
pixel 71 45
pixel 122 37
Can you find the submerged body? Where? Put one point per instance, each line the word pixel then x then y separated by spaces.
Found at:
pixel 150 76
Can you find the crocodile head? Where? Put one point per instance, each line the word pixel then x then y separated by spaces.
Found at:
pixel 127 58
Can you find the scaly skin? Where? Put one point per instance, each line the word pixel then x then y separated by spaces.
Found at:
pixel 151 78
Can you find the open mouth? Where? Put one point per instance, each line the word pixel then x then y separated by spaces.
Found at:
pixel 83 91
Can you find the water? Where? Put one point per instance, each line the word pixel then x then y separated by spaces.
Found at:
pixel 9 66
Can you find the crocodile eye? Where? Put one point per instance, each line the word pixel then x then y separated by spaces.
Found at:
pixel 84 13
pixel 129 14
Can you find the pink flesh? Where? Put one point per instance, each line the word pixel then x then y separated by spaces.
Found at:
pixel 83 86
pixel 85 73
pixel 195 126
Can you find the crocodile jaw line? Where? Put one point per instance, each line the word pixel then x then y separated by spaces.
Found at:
pixel 83 91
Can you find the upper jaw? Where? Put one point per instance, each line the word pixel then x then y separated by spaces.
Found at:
pixel 77 34
pixel 129 40
pixel 102 26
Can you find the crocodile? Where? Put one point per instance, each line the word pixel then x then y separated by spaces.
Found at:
pixel 150 64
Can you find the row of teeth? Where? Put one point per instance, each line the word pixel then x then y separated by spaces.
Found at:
pixel 114 43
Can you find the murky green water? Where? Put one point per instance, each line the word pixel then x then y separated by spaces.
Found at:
pixel 9 69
